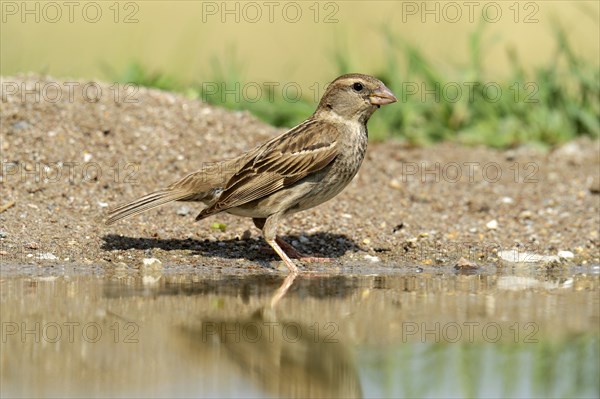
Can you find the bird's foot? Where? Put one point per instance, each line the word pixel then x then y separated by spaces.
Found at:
pixel 295 254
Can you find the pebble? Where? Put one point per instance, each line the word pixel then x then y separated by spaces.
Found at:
pixel 566 254
pixel 20 125
pixel 303 239
pixel 526 215
pixel 183 210
pixel 465 264
pixel 372 258
pixel 411 242
pixel 3 234
pixel 246 235
pixel 516 256
pixel 507 200
pixel 395 183
pixel 46 256
pixel 492 224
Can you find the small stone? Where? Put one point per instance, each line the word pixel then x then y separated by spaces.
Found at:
pixel 87 157
pixel 423 235
pixel 492 224
pixel 395 183
pixel 507 200
pixel 246 235
pixel 102 204
pixel 465 264
pixel 3 234
pixel 151 264
pixel 566 254
pixel 366 241
pixel 183 210
pixel 473 230
pixel 516 256
pixel 303 239
pixel 20 125
pixel 526 215
pixel 46 256
pixel 410 243
pixel 373 259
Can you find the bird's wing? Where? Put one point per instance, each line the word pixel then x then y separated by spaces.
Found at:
pixel 279 163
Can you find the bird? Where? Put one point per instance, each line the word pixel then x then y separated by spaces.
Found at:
pixel 295 171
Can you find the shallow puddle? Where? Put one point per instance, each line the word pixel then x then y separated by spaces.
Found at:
pixel 497 334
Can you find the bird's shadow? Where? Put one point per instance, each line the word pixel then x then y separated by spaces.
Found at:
pixel 318 244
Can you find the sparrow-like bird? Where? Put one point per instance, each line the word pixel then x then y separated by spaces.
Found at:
pixel 295 171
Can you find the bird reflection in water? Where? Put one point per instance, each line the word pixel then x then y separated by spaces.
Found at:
pixel 282 358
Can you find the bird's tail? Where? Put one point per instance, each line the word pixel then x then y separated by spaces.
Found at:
pixel 145 203
pixel 202 185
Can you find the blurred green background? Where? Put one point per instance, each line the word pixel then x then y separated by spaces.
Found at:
pixel 499 73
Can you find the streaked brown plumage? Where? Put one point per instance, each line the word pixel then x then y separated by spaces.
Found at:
pixel 300 169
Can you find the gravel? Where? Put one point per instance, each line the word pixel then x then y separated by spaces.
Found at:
pixel 66 162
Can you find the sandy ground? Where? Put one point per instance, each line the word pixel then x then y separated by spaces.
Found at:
pixel 66 159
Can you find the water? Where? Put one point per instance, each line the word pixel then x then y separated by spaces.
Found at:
pixel 500 333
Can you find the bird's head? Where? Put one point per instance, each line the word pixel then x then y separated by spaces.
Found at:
pixel 355 97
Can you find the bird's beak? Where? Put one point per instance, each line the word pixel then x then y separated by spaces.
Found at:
pixel 382 96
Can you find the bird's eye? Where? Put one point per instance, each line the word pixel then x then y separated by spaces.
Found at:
pixel 357 86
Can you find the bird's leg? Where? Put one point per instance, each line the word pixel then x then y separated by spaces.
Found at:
pixel 269 234
pixel 281 291
pixel 288 248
